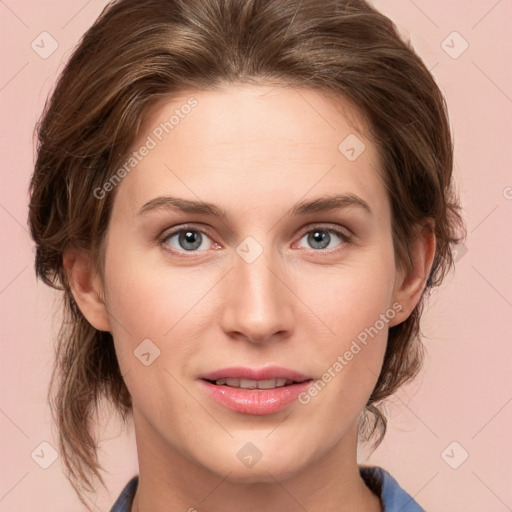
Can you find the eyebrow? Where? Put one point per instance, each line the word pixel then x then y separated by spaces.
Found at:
pixel 321 204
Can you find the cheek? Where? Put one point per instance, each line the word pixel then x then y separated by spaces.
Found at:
pixel 145 297
pixel 139 304
pixel 351 297
pixel 166 305
pixel 353 303
pixel 149 308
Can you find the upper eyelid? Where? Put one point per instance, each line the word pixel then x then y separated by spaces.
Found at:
pixel 326 227
pixel 173 231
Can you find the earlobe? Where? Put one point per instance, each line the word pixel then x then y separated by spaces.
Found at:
pixel 410 284
pixel 86 288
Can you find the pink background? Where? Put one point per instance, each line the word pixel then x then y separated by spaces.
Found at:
pixel 464 394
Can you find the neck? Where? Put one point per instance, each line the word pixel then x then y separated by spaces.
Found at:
pixel 168 480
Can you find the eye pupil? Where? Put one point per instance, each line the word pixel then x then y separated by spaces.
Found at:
pixel 190 237
pixel 319 237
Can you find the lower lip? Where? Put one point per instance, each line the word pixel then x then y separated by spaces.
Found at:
pixel 255 401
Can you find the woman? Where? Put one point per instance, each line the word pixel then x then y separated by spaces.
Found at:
pixel 245 205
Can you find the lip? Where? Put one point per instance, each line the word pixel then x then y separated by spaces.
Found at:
pixel 269 372
pixel 255 401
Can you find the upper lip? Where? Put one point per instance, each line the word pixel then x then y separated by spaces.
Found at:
pixel 267 373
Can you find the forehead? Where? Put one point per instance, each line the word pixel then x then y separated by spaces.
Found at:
pixel 257 140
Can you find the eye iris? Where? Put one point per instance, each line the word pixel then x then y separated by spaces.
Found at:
pixel 189 237
pixel 319 237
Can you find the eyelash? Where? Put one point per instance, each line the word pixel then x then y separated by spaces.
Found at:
pixel 345 238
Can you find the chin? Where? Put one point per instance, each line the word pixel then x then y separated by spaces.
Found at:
pixel 267 465
pixel 261 474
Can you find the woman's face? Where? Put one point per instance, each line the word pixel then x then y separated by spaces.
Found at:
pixel 272 291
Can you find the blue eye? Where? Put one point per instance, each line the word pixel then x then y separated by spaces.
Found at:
pixel 322 238
pixel 187 239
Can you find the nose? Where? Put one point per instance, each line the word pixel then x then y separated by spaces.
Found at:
pixel 257 303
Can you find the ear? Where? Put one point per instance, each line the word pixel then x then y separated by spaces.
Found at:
pixel 86 287
pixel 409 284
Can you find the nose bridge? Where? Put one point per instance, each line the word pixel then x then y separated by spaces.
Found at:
pixel 257 302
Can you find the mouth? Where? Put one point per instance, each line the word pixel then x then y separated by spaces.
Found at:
pixel 253 384
pixel 254 391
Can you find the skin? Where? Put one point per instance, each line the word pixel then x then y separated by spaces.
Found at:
pixel 255 151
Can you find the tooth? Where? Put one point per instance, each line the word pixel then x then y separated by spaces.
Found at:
pixel 254 384
pixel 267 384
pixel 248 384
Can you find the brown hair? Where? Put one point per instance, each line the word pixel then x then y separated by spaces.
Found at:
pixel 136 54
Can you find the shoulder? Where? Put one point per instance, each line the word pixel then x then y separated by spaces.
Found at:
pixel 125 499
pixel 392 496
